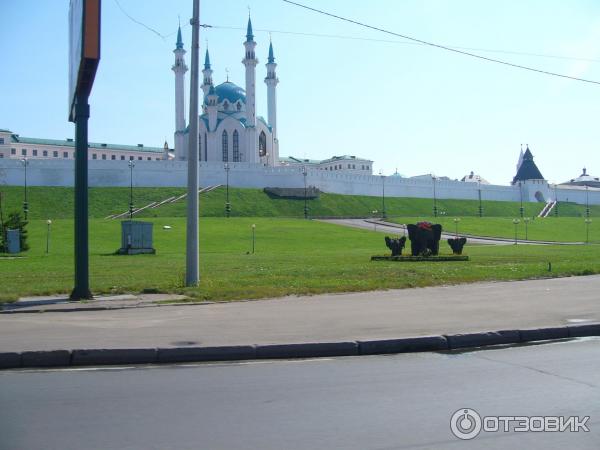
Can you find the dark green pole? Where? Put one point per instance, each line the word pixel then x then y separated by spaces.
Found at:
pixel 82 114
pixel 25 202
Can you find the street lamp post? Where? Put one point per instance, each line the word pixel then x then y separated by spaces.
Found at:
pixel 516 223
pixel 253 236
pixel 48 223
pixel 131 166
pixel 587 202
pixel 555 201
pixel 25 162
pixel 304 174
pixel 587 230
pixel 479 195
pixel 456 220
pixel 227 204
pixel 435 211
pixel 383 213
pixel 526 220
pixel 521 196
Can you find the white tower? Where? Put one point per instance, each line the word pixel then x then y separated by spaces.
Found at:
pixel 271 81
pixel 250 62
pixel 207 80
pixel 180 69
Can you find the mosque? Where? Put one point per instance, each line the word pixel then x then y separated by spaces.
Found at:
pixel 229 129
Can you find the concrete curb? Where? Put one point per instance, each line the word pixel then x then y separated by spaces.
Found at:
pixel 100 357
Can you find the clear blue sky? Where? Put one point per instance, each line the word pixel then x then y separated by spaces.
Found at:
pixel 406 106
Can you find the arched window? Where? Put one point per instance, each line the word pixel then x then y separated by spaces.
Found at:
pixel 236 146
pixel 226 105
pixel 239 106
pixel 262 144
pixel 225 147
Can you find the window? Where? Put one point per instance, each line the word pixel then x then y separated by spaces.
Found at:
pixel 23 152
pixel 262 144
pixel 13 151
pixel 45 153
pixel 131 158
pixel 94 156
pixel 349 166
pixel 65 154
pixel 238 106
pixel 34 152
pixel 113 157
pixel 226 105
pixel 139 158
pixel 122 157
pixel 1 141
pixel 225 145
pixel 353 166
pixel 149 158
pixel 55 154
pixel 236 146
pixel 103 156
pixel 1 155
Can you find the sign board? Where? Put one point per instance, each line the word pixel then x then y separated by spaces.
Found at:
pixel 84 48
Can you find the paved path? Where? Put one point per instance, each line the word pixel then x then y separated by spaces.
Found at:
pixel 322 318
pixel 357 403
pixel 389 227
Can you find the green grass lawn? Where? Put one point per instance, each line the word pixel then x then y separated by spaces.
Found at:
pixel 57 203
pixel 293 256
pixel 558 229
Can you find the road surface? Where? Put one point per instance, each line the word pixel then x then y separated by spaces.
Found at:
pixel 380 402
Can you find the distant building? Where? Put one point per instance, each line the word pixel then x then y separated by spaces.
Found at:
pixel 583 180
pixel 344 164
pixel 527 170
pixel 14 146
pixel 472 178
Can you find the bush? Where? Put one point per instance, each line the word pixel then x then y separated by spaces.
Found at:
pixel 14 222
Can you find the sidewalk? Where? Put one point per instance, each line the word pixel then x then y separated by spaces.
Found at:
pixel 324 318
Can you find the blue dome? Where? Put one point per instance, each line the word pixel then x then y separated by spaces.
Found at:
pixel 230 92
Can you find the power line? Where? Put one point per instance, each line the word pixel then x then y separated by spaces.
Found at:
pixel 138 22
pixel 443 47
pixel 391 41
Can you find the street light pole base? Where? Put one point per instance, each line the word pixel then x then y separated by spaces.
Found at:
pixel 80 294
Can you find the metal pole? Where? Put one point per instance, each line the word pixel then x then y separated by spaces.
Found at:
pixel 587 202
pixel 131 164
pixel 304 173
pixel 82 286
pixel 383 214
pixel 48 223
pixel 227 204
pixel 521 195
pixel 556 200
pixel 434 199
pixel 25 203
pixel 479 195
pixel 192 274
pixel 253 237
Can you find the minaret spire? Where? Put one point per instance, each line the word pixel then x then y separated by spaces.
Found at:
pixel 207 80
pixel 250 63
pixel 179 68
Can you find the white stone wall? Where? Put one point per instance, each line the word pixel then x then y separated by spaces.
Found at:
pixel 174 173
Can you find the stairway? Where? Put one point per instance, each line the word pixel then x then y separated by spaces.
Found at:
pixel 547 209
pixel 163 202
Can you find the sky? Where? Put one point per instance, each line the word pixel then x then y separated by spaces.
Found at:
pixel 343 89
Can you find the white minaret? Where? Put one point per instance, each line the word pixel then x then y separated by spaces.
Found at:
pixel 271 81
pixel 250 62
pixel 207 80
pixel 180 69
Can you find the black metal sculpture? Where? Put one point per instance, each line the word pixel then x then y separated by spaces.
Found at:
pixel 457 245
pixel 424 238
pixel 395 245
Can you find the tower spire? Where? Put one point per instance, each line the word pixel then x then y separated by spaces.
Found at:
pixel 179 44
pixel 271 58
pixel 206 60
pixel 249 34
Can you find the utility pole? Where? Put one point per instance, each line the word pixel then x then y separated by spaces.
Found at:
pixel 192 274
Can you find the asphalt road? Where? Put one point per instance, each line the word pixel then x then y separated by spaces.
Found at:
pixel 382 402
